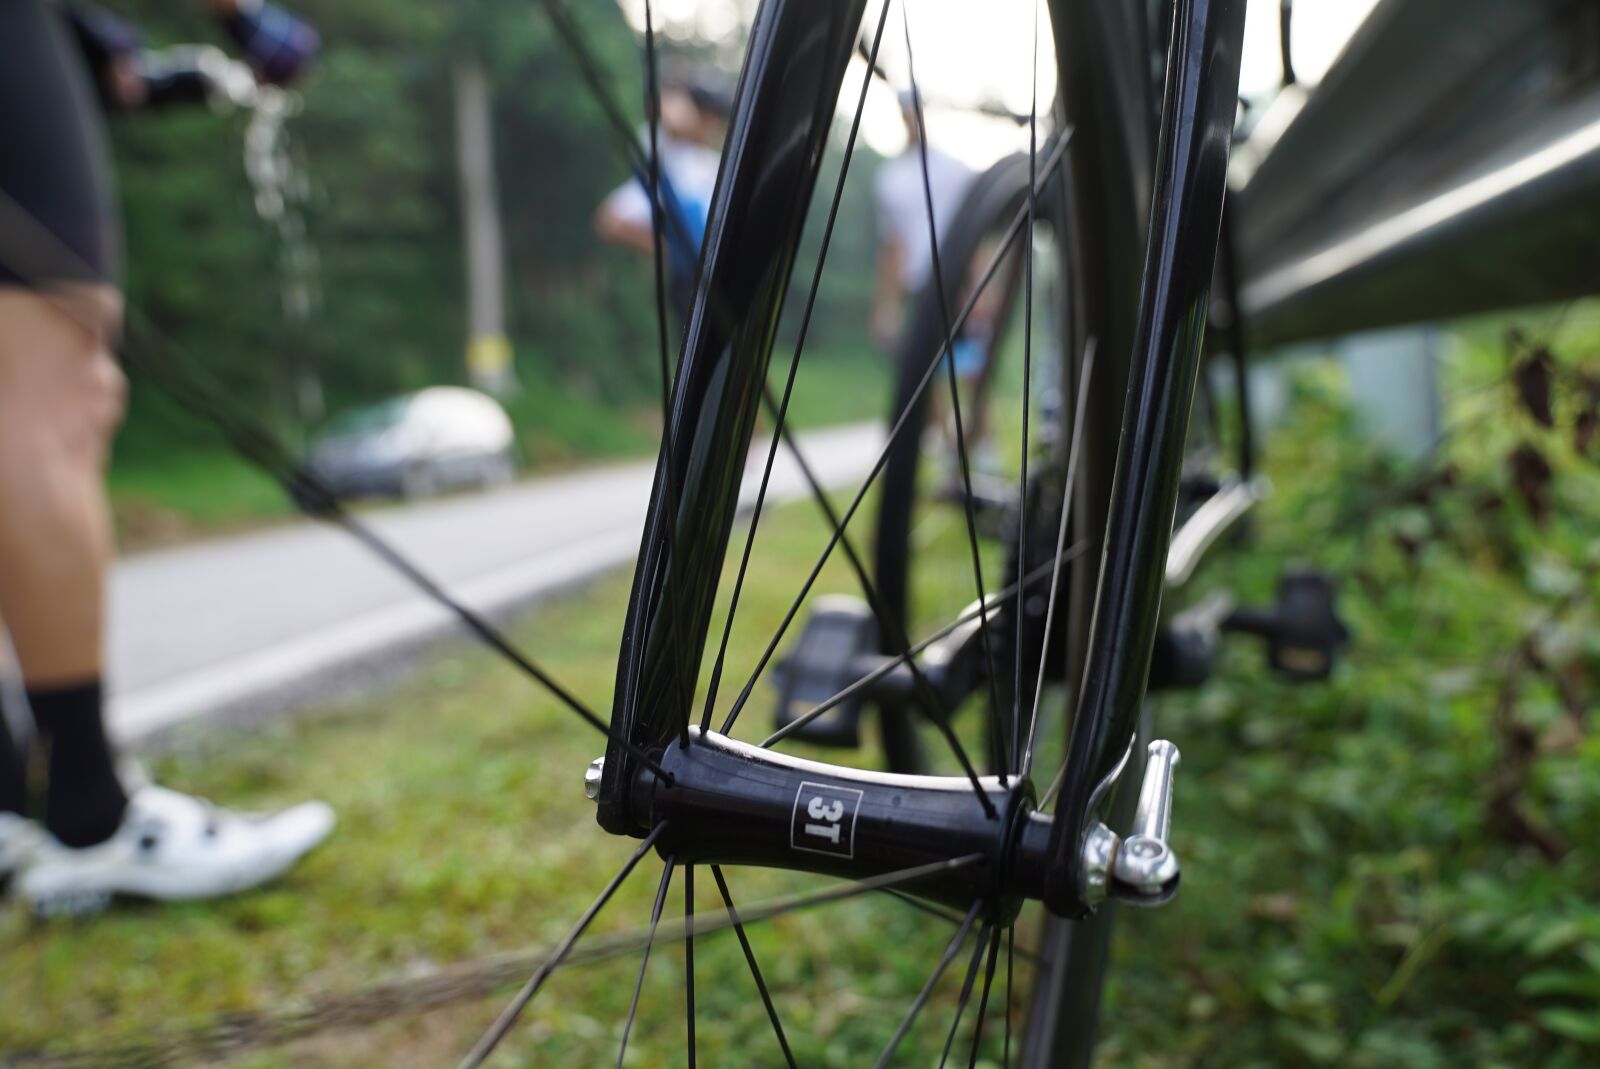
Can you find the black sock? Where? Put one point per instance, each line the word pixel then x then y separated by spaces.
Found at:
pixel 13 766
pixel 84 800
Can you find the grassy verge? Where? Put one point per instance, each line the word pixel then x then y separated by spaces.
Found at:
pixel 464 833
pixel 1394 868
pixel 160 497
pixel 208 491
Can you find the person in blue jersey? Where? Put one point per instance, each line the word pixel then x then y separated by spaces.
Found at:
pixel 694 112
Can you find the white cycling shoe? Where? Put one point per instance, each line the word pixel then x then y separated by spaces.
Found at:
pixel 19 838
pixel 171 847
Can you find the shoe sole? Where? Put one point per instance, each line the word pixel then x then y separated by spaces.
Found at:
pixel 70 904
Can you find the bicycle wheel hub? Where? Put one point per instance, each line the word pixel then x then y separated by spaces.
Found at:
pixel 736 804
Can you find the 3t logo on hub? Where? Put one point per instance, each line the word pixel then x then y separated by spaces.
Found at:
pixel 824 820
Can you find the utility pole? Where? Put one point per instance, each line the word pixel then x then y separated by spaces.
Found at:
pixel 489 363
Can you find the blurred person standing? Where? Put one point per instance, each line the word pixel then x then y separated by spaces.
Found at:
pixel 694 116
pixel 905 250
pixel 905 270
pixel 61 399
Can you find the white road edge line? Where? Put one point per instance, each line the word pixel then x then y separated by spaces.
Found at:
pixel 139 714
pixel 151 709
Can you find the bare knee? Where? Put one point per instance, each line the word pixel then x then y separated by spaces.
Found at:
pixel 62 395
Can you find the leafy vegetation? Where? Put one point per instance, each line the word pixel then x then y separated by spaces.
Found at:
pixel 1396 867
pixel 1399 867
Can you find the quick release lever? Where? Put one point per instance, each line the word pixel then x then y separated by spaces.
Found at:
pixel 1145 871
pixel 1141 869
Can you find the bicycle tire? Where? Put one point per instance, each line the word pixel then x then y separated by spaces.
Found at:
pixel 1064 1004
pixel 988 205
pixel 721 376
pixel 1070 992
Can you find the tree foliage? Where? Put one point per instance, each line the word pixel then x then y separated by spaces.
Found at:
pixel 373 137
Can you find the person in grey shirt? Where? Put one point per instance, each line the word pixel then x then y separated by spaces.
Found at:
pixel 905 252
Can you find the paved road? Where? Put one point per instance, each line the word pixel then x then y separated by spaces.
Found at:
pixel 235 621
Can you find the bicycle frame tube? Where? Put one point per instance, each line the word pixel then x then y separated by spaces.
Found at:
pixel 1103 53
pixel 1190 179
pixel 783 111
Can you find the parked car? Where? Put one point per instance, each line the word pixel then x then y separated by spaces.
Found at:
pixel 417 445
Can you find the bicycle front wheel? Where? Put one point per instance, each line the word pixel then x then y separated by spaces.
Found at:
pixel 975 846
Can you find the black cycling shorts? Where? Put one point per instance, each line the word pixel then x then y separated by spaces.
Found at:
pixel 58 217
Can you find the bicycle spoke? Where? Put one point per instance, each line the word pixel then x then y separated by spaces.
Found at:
pixel 1053 161
pixel 486 632
pixel 590 71
pixel 794 367
pixel 983 1001
pixel 604 947
pixel 594 79
pixel 657 215
pixel 994 605
pixel 707 924
pixel 927 988
pixel 924 907
pixel 755 970
pixel 954 918
pixel 984 935
pixel 658 237
pixel 1011 946
pixel 688 958
pixel 1070 487
pixel 644 959
pixel 470 981
pixel 1054 789
pixel 890 627
pixel 950 363
pixel 1027 383
pixel 508 1017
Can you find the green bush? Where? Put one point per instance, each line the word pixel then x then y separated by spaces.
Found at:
pixel 1399 867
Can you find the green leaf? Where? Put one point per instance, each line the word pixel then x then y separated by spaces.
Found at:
pixel 1581 1025
pixel 1548 982
pixel 1553 937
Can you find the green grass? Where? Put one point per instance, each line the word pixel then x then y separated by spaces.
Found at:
pixel 464 832
pixel 832 388
pixel 1354 894
pixel 161 496
pixel 201 492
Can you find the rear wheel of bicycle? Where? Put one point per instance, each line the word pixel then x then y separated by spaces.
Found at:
pixel 925 499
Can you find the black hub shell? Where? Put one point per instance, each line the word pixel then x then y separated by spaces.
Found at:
pixel 732 803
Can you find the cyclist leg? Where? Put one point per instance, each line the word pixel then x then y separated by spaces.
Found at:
pixel 61 396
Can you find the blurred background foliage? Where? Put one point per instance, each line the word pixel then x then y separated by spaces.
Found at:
pixel 374 140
